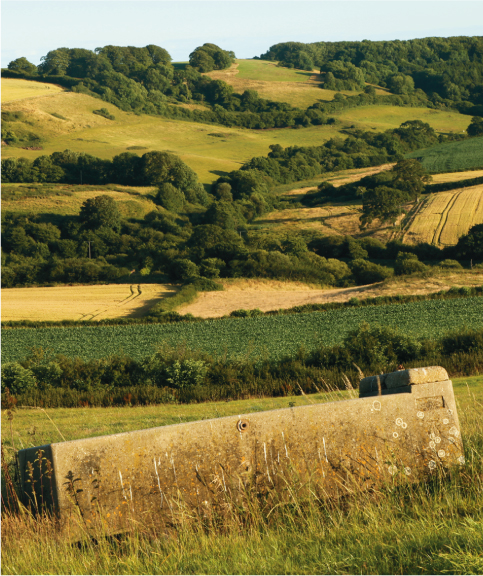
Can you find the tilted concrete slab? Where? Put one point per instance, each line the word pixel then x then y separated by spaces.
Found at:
pixel 400 433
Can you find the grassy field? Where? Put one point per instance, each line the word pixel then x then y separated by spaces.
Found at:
pixel 266 295
pixel 452 157
pixel 65 199
pixel 273 336
pixel 82 302
pixel 299 88
pixel 428 528
pixel 384 117
pixel 446 216
pixel 210 150
pixel 16 89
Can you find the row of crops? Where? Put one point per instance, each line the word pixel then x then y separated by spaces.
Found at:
pixel 275 337
pixel 452 157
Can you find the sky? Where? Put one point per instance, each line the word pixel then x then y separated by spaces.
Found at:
pixel 31 28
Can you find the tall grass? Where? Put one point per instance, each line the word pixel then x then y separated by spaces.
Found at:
pixel 430 527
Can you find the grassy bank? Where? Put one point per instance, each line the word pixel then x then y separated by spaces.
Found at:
pixel 428 528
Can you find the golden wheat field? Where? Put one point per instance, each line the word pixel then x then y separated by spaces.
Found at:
pixel 82 302
pixel 446 216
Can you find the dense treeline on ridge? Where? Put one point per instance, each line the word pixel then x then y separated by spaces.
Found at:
pixel 448 70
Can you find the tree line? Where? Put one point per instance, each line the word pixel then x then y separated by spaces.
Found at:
pixel 448 71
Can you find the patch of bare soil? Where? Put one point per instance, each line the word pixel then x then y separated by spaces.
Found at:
pixel 271 295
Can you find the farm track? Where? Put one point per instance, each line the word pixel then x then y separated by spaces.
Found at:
pixel 133 296
pixel 444 219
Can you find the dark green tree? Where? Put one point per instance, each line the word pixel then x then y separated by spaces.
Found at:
pixel 476 126
pixel 101 211
pixel 23 66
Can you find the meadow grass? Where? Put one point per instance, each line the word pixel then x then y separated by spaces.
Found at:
pixel 270 72
pixel 66 200
pixel 18 89
pixel 210 156
pixel 430 527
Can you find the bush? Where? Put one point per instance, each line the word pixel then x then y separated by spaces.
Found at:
pixel 366 272
pixel 104 112
pixel 450 264
pixel 380 345
pixel 17 378
pixel 242 313
pixel 407 263
pixel 186 373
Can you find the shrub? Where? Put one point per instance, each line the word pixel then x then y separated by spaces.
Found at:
pixel 104 112
pixel 380 345
pixel 450 264
pixel 366 272
pixel 186 373
pixel 407 263
pixel 17 378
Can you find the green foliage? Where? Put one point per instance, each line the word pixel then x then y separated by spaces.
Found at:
pixel 366 272
pixel 451 264
pixel 170 197
pixel 380 345
pixel 276 336
pixel 211 57
pixel 476 127
pixel 186 373
pixel 100 212
pixel 17 378
pixel 470 245
pixel 407 263
pixel 104 112
pixel 452 156
pixel 447 71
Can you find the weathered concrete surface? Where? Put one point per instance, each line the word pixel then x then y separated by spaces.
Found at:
pixel 338 447
pixel 402 378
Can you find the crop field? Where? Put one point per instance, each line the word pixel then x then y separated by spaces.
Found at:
pixel 81 302
pixel 274 295
pixel 446 216
pixel 275 336
pixel 18 89
pixel 452 157
pixel 64 199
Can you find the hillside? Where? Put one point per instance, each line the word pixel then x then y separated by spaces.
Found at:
pixel 210 150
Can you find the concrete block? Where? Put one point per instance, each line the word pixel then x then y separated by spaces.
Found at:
pixel 369 386
pixel 153 475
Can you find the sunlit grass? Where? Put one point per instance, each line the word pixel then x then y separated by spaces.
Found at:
pixel 434 527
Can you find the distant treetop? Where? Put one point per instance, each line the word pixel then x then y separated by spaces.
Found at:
pixel 211 57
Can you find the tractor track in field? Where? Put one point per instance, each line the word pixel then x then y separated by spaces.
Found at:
pixel 444 218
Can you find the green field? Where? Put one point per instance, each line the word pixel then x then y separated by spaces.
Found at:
pixel 270 72
pixel 210 150
pixel 66 199
pixel 452 157
pixel 273 336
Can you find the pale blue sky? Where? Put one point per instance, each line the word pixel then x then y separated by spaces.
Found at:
pixel 31 28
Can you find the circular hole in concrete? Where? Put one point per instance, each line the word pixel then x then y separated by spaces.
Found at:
pixel 242 425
